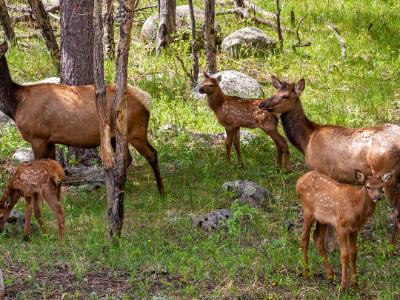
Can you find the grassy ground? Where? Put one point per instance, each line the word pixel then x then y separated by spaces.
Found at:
pixel 159 253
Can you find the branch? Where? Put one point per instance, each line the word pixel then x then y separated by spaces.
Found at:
pixel 299 44
pixel 259 10
pixel 146 7
pixel 29 17
pixel 340 39
pixel 187 73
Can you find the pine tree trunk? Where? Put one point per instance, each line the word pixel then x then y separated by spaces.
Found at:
pixel 47 32
pixel 166 23
pixel 77 55
pixel 209 37
pixel 195 67
pixel 108 18
pixel 116 205
pixel 5 21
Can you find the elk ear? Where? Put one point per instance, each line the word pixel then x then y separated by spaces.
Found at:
pixel 3 48
pixel 206 75
pixel 299 88
pixel 219 78
pixel 276 82
pixel 387 177
pixel 360 177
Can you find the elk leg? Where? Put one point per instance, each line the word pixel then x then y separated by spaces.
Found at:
pixel 353 258
pixel 305 238
pixel 143 146
pixel 281 147
pixel 129 158
pixel 344 255
pixel 51 197
pixel 330 242
pixel 393 195
pixel 319 240
pixel 27 217
pixel 228 143
pixel 39 148
pixel 37 203
pixel 51 151
pixel 236 142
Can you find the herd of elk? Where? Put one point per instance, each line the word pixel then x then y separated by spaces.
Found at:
pixel 48 114
pixel 36 181
pixel 325 201
pixel 233 113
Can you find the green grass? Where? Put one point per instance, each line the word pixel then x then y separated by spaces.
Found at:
pixel 256 257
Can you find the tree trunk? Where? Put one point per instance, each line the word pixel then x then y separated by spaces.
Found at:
pixel 2 289
pixel 6 22
pixel 278 24
pixel 108 19
pixel 209 36
pixel 195 68
pixel 47 32
pixel 116 204
pixel 77 55
pixel 166 23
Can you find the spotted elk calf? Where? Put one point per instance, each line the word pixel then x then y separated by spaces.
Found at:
pixel 234 112
pixel 325 201
pixel 36 180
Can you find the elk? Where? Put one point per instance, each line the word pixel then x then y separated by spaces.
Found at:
pixel 35 181
pixel 48 114
pixel 234 112
pixel 337 151
pixel 325 201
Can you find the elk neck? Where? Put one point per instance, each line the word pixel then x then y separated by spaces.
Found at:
pixel 216 99
pixel 365 207
pixel 8 88
pixel 298 128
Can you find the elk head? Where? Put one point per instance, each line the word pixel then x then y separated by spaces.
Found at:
pixel 209 84
pixel 5 209
pixel 285 98
pixel 374 185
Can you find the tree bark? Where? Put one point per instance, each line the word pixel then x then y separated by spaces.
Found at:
pixel 166 23
pixel 44 24
pixel 77 55
pixel 209 36
pixel 195 69
pixel 278 23
pixel 6 22
pixel 108 19
pixel 116 205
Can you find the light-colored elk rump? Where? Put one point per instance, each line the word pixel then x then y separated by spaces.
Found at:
pixel 49 114
pixel 36 181
pixel 325 201
pixel 337 151
pixel 233 113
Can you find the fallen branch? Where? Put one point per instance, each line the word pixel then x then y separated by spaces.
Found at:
pixel 29 17
pixel 259 10
pixel 146 7
pixel 340 39
pixel 299 43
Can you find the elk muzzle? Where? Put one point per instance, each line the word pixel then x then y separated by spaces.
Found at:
pixel 201 90
pixel 267 104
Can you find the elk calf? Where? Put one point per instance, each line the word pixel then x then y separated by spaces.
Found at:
pixel 347 208
pixel 37 180
pixel 233 113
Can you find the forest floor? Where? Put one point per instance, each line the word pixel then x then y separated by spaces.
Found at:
pixel 160 255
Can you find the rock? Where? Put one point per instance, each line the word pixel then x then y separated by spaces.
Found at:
pixel 234 83
pixel 5 120
pixel 213 221
pixel 248 192
pixel 149 29
pixel 247 38
pixel 48 3
pixel 84 187
pixel 16 217
pixel 23 155
pixel 84 175
pixel 46 80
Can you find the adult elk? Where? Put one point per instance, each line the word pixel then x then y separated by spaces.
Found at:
pixel 36 180
pixel 234 112
pixel 48 114
pixel 325 201
pixel 337 151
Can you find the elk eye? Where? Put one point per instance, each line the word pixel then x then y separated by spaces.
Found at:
pixel 285 97
pixel 368 187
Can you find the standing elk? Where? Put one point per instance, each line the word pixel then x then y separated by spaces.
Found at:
pixel 337 151
pixel 48 114
pixel 36 181
pixel 234 112
pixel 325 201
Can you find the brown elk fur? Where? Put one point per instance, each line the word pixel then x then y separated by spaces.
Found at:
pixel 337 151
pixel 37 180
pixel 325 201
pixel 49 114
pixel 233 113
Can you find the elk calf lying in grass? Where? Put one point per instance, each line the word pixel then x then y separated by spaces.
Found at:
pixel 233 113
pixel 37 180
pixel 347 208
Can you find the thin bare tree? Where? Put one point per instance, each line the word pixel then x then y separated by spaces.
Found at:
pixel 166 23
pixel 108 19
pixel 116 204
pixel 210 36
pixel 278 23
pixel 194 76
pixel 5 21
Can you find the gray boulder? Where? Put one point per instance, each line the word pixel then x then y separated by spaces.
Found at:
pixel 5 120
pixel 213 221
pixel 247 38
pixel 234 83
pixel 248 192
pixel 23 155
